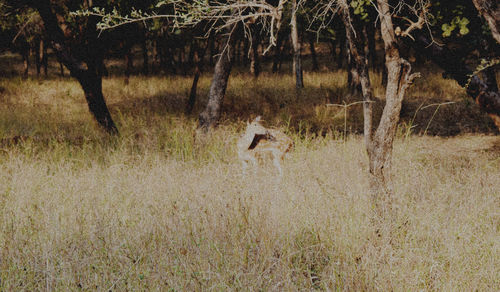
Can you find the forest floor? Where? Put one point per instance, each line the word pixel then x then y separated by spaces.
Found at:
pixel 155 209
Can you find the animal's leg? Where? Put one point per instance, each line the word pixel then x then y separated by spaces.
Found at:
pixel 254 164
pixel 277 164
pixel 244 166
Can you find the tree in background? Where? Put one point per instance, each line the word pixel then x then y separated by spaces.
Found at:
pixel 464 47
pixel 21 31
pixel 84 61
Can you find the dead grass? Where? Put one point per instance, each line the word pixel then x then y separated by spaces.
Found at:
pixel 156 210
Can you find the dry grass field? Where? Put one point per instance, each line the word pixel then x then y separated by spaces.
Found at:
pixel 154 209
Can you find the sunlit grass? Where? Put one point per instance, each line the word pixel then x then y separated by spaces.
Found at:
pixel 159 209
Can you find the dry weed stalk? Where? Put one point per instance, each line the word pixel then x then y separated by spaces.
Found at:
pixel 258 142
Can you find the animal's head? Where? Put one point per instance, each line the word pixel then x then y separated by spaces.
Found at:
pixel 255 127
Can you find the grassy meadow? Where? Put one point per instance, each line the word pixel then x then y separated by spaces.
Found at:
pixel 158 209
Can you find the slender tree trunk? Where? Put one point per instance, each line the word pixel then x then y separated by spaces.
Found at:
pixel 145 58
pixel 61 69
pixel 209 117
pixel 399 78
pixel 370 43
pixel 297 59
pixel 342 50
pixel 198 58
pixel 246 46
pixel 192 49
pixel 384 74
pixel 277 53
pixel 169 54
pixel 333 48
pixel 87 76
pixel 25 52
pixel 353 76
pixel 38 56
pixel 157 64
pixel 129 60
pixel 237 53
pixel 359 64
pixel 254 55
pixel 211 46
pixel 284 50
pixel 44 57
pixel 182 60
pixel 315 66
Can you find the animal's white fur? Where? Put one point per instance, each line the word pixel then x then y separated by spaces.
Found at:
pixel 272 143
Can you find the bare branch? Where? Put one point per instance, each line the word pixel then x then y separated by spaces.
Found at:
pixel 413 25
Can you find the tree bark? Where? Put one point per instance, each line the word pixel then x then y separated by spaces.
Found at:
pixel 45 62
pixel 490 10
pixel 360 66
pixel 255 60
pixel 211 45
pixel 25 52
pixel 209 117
pixel 342 50
pixel 87 76
pixel 370 43
pixel 38 56
pixel 198 69
pixel 129 60
pixel 315 66
pixel 399 78
pixel 277 53
pixel 297 59
pixel 353 77
pixel 145 58
pixel 484 93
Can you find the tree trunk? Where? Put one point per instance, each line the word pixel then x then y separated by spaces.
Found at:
pixel 485 95
pixel 370 43
pixel 45 62
pixel 38 56
pixel 145 58
pixel 246 46
pixel 211 45
pixel 277 53
pixel 297 60
pixel 490 10
pixel 129 60
pixel 92 87
pixel 255 60
pixel 315 66
pixel 254 55
pixel 87 76
pixel 353 77
pixel 61 69
pixel 359 64
pixel 399 78
pixel 198 69
pixel 342 50
pixel 384 74
pixel 25 52
pixel 209 117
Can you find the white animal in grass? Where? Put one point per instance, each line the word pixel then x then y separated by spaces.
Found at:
pixel 258 143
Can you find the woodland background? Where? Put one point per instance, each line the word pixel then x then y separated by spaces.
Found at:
pixel 118 165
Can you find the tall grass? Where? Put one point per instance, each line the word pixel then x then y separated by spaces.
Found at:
pixel 157 209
